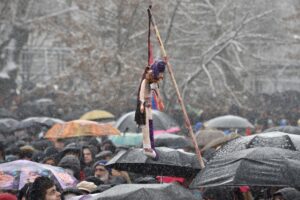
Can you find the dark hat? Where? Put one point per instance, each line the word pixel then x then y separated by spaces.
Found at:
pixel 37 156
pixel 70 162
pixel 158 67
pixel 49 151
pixel 102 163
pixel 72 147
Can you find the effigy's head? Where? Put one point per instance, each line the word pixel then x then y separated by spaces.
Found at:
pixel 158 68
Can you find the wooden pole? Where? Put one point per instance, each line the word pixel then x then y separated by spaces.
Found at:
pixel 186 117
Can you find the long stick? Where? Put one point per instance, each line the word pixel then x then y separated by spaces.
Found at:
pixel 187 120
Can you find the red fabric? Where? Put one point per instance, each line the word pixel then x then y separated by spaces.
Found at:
pixel 248 131
pixel 150 53
pixel 81 175
pixel 169 179
pixel 7 196
pixel 244 188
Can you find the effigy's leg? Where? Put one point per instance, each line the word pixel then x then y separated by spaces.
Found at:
pixel 148 141
pixel 146 136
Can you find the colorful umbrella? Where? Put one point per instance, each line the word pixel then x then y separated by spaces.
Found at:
pixel 80 128
pixel 14 175
pixel 97 115
pixel 127 139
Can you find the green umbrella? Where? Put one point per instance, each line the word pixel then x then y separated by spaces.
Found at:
pixel 127 139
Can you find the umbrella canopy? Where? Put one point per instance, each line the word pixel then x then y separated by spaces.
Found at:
pixel 228 121
pixel 286 129
pixel 271 139
pixel 172 141
pixel 80 128
pixel 127 139
pixel 220 141
pixel 97 115
pixel 14 175
pixel 4 113
pixel 205 136
pixel 262 166
pixel 144 192
pixel 38 122
pixel 162 123
pixel 37 107
pixel 8 125
pixel 171 162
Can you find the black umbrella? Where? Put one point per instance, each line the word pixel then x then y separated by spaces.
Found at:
pixel 228 121
pixel 8 125
pixel 171 140
pixel 145 192
pixel 171 162
pixel 4 113
pixel 270 139
pixel 161 122
pixel 262 166
pixel 286 129
pixel 30 122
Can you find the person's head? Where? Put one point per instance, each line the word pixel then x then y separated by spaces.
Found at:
pixel 71 164
pixel 27 152
pixel 88 154
pixel 108 145
pixel 43 188
pixel 23 194
pixel 100 171
pixel 59 144
pixel 71 149
pixel 278 197
pixel 158 68
pixel 50 160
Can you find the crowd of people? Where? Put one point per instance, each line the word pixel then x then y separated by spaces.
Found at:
pixel 84 159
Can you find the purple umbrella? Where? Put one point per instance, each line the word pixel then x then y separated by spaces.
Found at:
pixel 14 175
